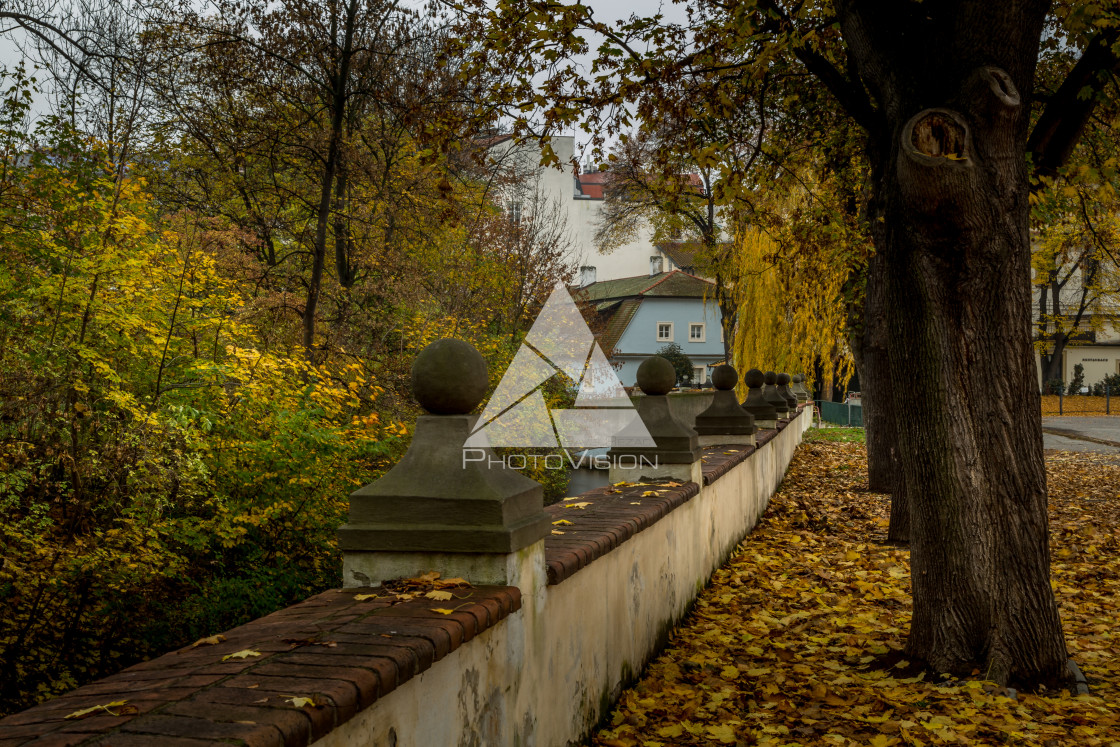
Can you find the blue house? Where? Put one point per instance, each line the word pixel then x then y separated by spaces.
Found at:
pixel 640 315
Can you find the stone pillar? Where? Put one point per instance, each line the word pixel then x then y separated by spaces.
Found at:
pixel 440 508
pixel 771 395
pixel 676 453
pixel 765 416
pixel 799 389
pixel 725 422
pixel 786 394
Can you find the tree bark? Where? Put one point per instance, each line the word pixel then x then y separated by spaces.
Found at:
pixel 949 216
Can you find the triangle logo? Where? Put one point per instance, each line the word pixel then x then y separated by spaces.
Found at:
pixel 559 342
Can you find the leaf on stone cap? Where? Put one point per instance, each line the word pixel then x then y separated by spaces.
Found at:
pixel 563 522
pixel 439 596
pixel 584 504
pixel 635 503
pixel 244 654
pixel 450 583
pixel 423 579
pixel 364 597
pixel 213 640
pixel 648 493
pixel 116 708
pixel 299 702
pixel 556 531
pixel 671 484
pixel 442 611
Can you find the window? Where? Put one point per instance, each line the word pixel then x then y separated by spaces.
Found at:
pixel 664 331
pixel 514 213
pixel 696 332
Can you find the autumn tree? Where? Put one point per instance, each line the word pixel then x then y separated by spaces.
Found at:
pixel 941 94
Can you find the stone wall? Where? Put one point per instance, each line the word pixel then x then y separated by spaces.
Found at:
pixel 536 665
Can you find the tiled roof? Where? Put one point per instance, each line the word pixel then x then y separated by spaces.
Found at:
pixel 591 185
pixel 675 284
pixel 620 314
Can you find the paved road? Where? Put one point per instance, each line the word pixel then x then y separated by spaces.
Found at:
pixel 1082 433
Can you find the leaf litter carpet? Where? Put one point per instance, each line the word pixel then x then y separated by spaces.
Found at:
pixel 781 647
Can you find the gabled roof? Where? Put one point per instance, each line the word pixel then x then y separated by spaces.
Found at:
pixel 675 284
pixel 620 314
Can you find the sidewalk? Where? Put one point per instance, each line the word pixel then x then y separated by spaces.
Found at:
pixel 1082 433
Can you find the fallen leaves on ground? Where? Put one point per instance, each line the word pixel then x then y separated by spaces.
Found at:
pixel 1079 404
pixel 781 648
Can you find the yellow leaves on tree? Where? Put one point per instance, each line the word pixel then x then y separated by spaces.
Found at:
pixel 792 312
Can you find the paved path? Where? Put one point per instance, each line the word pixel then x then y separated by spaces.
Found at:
pixel 1082 433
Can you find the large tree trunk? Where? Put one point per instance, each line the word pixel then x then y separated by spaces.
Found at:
pixel 949 216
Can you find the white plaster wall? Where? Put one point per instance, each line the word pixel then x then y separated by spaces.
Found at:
pixel 546 674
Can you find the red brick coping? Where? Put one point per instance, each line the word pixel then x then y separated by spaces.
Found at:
pixel 342 653
pixel 615 514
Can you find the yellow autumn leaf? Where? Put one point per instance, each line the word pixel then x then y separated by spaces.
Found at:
pixel 439 596
pixel 562 522
pixel 584 504
pixel 673 730
pixel 213 640
pixel 556 531
pixel 725 733
pixel 244 654
pixel 442 611
pixel 298 702
pixel 364 597
pixel 113 709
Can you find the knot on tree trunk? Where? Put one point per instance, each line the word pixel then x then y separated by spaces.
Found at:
pixel 939 135
pixel 1000 84
pixel 935 167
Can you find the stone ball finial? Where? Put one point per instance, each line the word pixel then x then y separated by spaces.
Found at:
pixel 797 378
pixel 754 378
pixel 656 375
pixel 449 377
pixel 771 378
pixel 783 379
pixel 724 377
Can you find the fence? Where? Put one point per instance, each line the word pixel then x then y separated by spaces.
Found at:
pixel 840 413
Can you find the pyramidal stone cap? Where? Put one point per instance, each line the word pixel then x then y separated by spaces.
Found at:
pixel 783 390
pixel 724 416
pixel 763 411
pixel 676 443
pixel 771 395
pixel 437 498
pixel 799 389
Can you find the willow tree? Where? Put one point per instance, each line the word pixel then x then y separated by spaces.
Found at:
pixel 940 93
pixel 793 315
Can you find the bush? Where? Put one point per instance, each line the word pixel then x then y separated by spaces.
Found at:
pixel 1054 386
pixel 682 364
pixel 1112 382
pixel 1078 380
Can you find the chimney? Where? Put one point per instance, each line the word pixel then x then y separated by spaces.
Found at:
pixel 586 276
pixel 654 265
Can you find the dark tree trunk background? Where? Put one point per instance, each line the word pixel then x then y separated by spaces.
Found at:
pixel 949 215
pixel 883 469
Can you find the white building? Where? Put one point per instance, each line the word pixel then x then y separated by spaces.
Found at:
pixel 582 198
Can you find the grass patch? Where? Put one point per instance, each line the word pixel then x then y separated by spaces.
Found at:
pixel 835 435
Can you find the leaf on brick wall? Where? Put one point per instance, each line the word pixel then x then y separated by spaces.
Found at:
pixel 439 596
pixel 244 654
pixel 213 640
pixel 116 708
